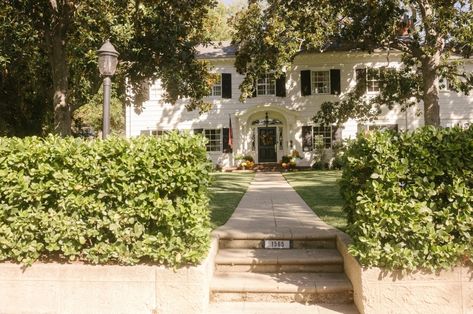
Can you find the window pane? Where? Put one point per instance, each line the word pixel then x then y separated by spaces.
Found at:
pixel 266 85
pixel 214 140
pixel 320 82
pixel 373 80
pixel 217 87
pixel 322 137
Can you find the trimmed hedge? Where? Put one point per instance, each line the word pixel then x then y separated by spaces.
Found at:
pixel 114 201
pixel 409 198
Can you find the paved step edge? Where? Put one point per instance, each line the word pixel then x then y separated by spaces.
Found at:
pixel 280 308
pixel 259 244
pixel 278 257
pixel 280 283
pixel 344 297
pixel 275 268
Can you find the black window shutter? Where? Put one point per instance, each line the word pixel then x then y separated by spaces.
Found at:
pixel 306 138
pixel 281 86
pixel 306 89
pixel 198 131
pixel 361 79
pixel 335 82
pixel 225 138
pixel 226 85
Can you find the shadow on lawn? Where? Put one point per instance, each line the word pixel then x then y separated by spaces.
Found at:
pixel 226 191
pixel 320 190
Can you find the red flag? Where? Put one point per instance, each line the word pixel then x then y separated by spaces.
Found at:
pixel 230 133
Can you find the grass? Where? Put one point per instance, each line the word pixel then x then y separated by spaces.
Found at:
pixel 319 189
pixel 226 191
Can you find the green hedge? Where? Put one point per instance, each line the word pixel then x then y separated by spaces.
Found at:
pixel 114 201
pixel 409 198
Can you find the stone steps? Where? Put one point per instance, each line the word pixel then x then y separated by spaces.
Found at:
pixel 276 261
pixel 281 287
pixel 309 272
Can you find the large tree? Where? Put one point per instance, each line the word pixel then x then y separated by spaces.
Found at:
pixel 431 36
pixel 156 39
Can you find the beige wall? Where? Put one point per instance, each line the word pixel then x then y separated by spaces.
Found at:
pixel 75 288
pixel 380 291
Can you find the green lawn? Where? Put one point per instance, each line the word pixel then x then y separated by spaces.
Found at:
pixel 226 191
pixel 320 191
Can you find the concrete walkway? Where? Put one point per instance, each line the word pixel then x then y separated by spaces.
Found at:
pixel 271 208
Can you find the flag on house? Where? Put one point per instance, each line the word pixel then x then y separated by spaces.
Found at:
pixel 230 133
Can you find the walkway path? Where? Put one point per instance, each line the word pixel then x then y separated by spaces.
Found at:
pixel 271 209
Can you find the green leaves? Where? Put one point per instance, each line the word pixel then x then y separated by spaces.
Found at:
pixel 409 198
pixel 115 201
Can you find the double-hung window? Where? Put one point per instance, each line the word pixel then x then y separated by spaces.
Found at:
pixel 320 82
pixel 218 140
pixel 217 87
pixel 373 80
pixel 316 137
pixel 214 140
pixel 266 85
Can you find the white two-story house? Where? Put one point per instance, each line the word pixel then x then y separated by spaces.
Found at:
pixel 278 118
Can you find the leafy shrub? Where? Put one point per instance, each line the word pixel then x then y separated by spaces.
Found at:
pixel 114 201
pixel 409 198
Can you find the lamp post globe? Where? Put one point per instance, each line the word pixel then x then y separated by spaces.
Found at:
pixel 108 60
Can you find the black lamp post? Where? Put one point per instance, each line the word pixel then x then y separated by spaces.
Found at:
pixel 108 59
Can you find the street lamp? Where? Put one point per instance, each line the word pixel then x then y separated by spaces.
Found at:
pixel 108 59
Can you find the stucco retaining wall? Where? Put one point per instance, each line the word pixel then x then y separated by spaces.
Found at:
pixel 76 288
pixel 379 291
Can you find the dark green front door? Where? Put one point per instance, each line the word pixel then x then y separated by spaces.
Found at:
pixel 267 144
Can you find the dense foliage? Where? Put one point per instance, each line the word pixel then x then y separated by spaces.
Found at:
pixel 430 37
pixel 114 201
pixel 409 198
pixel 48 60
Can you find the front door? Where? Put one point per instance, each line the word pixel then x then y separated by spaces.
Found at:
pixel 267 144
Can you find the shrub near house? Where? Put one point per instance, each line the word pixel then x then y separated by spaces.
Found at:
pixel 115 201
pixel 409 198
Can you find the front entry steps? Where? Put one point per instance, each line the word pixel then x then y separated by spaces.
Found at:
pixel 307 275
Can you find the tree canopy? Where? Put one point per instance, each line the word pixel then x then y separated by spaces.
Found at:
pixel 54 43
pixel 432 37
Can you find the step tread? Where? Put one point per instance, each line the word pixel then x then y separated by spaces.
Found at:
pixel 280 308
pixel 287 256
pixel 280 282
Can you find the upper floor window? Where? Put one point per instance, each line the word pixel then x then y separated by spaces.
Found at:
pixel 320 82
pixel 266 85
pixel 217 87
pixel 222 87
pixel 373 80
pixel 370 79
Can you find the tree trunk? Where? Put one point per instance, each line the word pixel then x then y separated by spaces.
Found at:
pixel 56 43
pixel 431 90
